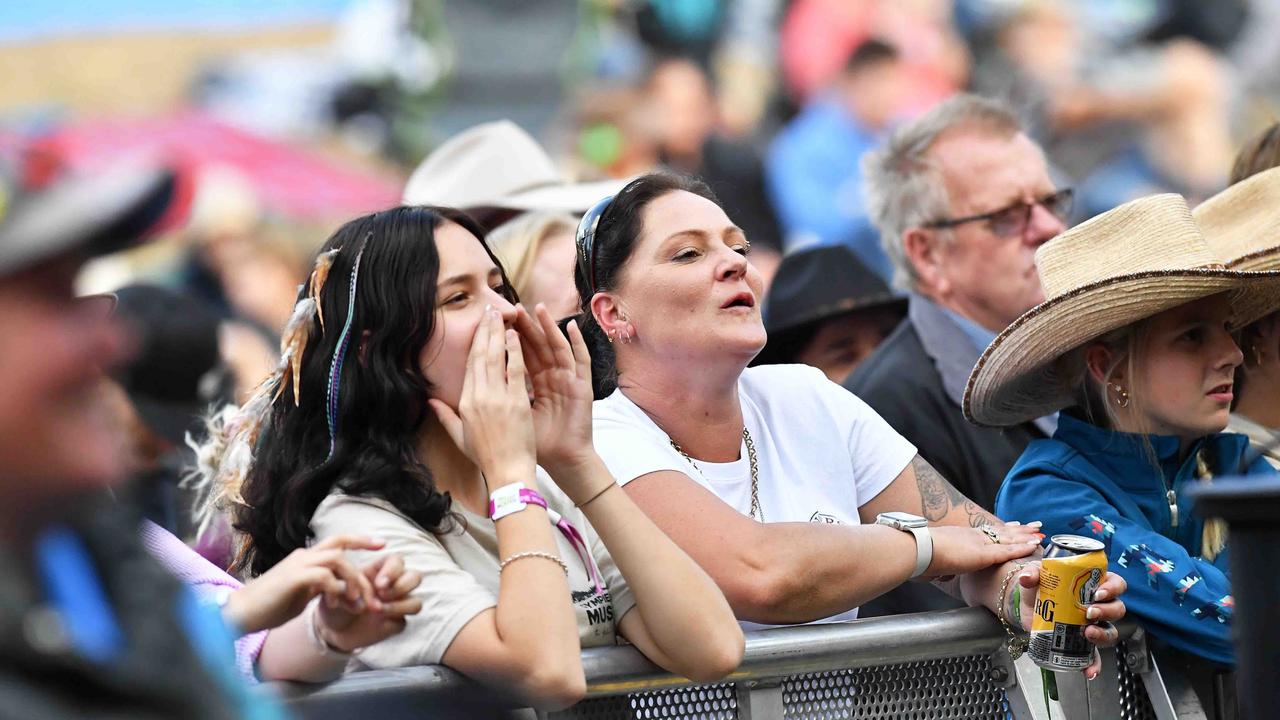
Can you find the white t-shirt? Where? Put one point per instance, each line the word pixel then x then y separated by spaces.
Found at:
pixel 460 573
pixel 822 453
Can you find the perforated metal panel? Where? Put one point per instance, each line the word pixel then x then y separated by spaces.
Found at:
pixel 1135 704
pixel 703 702
pixel 948 688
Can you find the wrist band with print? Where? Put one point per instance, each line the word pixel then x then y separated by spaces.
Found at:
pixel 513 498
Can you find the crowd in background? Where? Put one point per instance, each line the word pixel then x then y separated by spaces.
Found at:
pixel 897 172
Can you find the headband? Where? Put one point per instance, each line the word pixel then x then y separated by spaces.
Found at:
pixel 585 239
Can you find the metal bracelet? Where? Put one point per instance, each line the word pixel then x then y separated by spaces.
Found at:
pixel 1017 645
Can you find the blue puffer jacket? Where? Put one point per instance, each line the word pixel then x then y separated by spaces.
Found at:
pixel 1094 482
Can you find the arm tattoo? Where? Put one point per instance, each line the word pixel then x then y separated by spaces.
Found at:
pixel 977 516
pixel 937 496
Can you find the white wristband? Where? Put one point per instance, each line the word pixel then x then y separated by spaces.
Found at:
pixel 506 501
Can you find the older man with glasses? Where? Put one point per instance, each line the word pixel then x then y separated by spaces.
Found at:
pixel 962 198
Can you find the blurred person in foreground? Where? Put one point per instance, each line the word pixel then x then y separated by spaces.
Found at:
pixel 812 166
pixel 962 198
pixel 1242 226
pixel 690 141
pixel 827 310
pixel 89 623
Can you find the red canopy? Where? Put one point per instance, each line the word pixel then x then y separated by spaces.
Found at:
pixel 290 181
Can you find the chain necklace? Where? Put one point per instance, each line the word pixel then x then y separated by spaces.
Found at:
pixel 756 512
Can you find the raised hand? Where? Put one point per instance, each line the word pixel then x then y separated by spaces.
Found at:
pixel 493 424
pixel 278 595
pixel 560 371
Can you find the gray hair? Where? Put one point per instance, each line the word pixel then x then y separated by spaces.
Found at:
pixel 904 186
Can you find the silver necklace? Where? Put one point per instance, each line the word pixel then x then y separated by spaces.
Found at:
pixel 756 512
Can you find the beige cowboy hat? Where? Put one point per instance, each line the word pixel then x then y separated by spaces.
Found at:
pixel 1242 223
pixel 1125 265
pixel 498 164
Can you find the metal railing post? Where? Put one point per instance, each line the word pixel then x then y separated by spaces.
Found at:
pixel 760 699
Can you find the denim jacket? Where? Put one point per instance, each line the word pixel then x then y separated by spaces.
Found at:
pixel 1103 484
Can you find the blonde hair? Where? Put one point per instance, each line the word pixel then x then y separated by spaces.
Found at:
pixel 1127 345
pixel 517 242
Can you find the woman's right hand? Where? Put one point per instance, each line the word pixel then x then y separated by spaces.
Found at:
pixel 493 424
pixel 962 550
pixel 279 594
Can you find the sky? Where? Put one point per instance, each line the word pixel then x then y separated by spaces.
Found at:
pixel 28 20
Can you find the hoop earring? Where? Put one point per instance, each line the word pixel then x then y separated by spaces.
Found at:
pixel 625 337
pixel 1122 395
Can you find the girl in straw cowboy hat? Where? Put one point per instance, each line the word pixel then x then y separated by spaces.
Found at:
pixel 1133 345
pixel 1242 226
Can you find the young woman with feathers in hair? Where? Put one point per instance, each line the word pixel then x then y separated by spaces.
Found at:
pixel 417 403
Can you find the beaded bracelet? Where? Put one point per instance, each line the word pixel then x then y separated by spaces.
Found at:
pixel 1017 645
pixel 533 554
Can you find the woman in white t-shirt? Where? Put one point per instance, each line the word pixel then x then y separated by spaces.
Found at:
pixel 772 478
pixel 403 411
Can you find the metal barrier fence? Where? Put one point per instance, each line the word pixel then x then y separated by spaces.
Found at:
pixel 950 664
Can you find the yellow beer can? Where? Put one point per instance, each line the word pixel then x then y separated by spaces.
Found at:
pixel 1070 572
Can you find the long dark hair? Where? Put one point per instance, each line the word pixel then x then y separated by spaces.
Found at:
pixel 382 392
pixel 616 235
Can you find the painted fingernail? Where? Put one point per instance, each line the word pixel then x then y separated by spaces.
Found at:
pixel 487 308
pixel 1013 522
pixel 1035 524
pixel 1040 535
pixel 1033 542
pixel 1093 613
pixel 1101 594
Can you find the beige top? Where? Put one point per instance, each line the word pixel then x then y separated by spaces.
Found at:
pixel 1258 435
pixel 460 573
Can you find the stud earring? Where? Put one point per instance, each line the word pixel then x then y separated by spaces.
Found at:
pixel 1122 395
pixel 1258 355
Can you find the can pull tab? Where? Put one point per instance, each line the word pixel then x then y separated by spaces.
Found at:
pixel 1173 507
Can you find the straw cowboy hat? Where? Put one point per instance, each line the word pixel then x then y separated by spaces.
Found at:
pixel 1242 223
pixel 499 165
pixel 1124 265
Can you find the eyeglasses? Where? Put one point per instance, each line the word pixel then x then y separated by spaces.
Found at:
pixel 1012 221
pixel 585 239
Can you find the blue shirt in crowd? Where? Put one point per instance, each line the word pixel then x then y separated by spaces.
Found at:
pixel 1094 482
pixel 814 175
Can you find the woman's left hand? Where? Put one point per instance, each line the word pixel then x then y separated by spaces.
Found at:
pixel 1106 609
pixel 560 371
